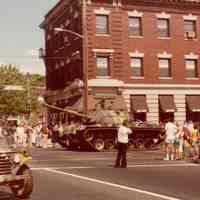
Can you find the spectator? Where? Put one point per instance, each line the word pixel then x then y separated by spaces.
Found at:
pixel 170 131
pixel 179 143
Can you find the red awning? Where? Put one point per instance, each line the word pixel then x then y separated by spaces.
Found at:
pixel 193 102
pixel 167 103
pixel 139 104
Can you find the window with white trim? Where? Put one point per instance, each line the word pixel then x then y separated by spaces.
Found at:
pixel 189 29
pixel 102 63
pixel 135 26
pixel 102 24
pixel 191 68
pixel 163 27
pixel 165 67
pixel 137 67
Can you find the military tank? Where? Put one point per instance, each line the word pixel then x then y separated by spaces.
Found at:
pixel 97 131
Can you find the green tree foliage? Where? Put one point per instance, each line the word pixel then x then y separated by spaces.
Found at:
pixel 18 102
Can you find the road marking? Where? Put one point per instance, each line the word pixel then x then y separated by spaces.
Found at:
pixel 113 185
pixel 71 167
pixel 73 159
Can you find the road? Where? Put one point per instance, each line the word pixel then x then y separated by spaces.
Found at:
pixel 60 174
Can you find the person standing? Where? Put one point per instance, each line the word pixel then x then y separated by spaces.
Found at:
pixel 122 140
pixel 170 131
pixel 21 135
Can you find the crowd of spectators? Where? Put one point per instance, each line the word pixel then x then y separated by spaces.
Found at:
pixel 181 141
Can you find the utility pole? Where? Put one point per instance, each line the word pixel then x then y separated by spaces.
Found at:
pixel 85 56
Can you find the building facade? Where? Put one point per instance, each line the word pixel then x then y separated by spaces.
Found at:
pixel 146 51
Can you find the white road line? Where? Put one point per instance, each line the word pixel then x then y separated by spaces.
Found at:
pixel 113 185
pixel 71 167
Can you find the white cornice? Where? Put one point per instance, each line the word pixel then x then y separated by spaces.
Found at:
pixel 136 54
pixel 102 11
pixel 164 54
pixel 191 56
pixel 163 15
pixel 190 17
pixel 105 83
pixel 135 13
pixel 103 50
pixel 162 86
pixel 118 83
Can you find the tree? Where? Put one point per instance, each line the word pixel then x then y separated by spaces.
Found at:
pixel 17 102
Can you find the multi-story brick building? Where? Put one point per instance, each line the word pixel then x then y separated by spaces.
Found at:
pixel 147 51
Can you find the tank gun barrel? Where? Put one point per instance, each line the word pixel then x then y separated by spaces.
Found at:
pixel 66 110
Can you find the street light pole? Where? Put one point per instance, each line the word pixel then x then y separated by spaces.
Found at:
pixel 85 57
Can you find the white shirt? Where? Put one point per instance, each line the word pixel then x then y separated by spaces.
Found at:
pixel 171 130
pixel 20 131
pixel 123 133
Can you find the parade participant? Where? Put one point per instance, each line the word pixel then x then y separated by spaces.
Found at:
pixel 34 136
pixel 122 139
pixel 170 132
pixel 195 142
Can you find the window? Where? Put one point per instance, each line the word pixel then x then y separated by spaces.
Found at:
pixel 163 27
pixel 102 66
pixel 189 29
pixel 165 67
pixel 135 26
pixel 102 24
pixel 137 67
pixel 191 68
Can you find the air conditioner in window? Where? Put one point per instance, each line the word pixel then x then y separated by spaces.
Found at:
pixel 190 34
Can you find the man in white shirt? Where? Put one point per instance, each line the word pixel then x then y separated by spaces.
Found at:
pixel 170 132
pixel 122 139
pixel 21 135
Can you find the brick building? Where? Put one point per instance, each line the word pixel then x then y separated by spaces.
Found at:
pixel 144 51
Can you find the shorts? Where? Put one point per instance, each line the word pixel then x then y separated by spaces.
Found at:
pixel 170 140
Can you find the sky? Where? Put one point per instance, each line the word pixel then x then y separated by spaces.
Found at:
pixel 20 35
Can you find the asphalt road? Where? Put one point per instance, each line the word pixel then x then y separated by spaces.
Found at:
pixel 70 175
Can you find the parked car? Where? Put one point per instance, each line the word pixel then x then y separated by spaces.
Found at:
pixel 14 171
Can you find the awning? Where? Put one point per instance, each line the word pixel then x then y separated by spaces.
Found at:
pixel 167 103
pixel 139 104
pixel 193 102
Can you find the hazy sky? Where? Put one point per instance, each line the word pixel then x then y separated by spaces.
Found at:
pixel 20 35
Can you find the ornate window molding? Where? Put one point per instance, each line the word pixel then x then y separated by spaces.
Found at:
pixel 102 11
pixel 103 51
pixel 163 15
pixel 135 13
pixel 164 55
pixel 191 56
pixel 136 54
pixel 190 17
